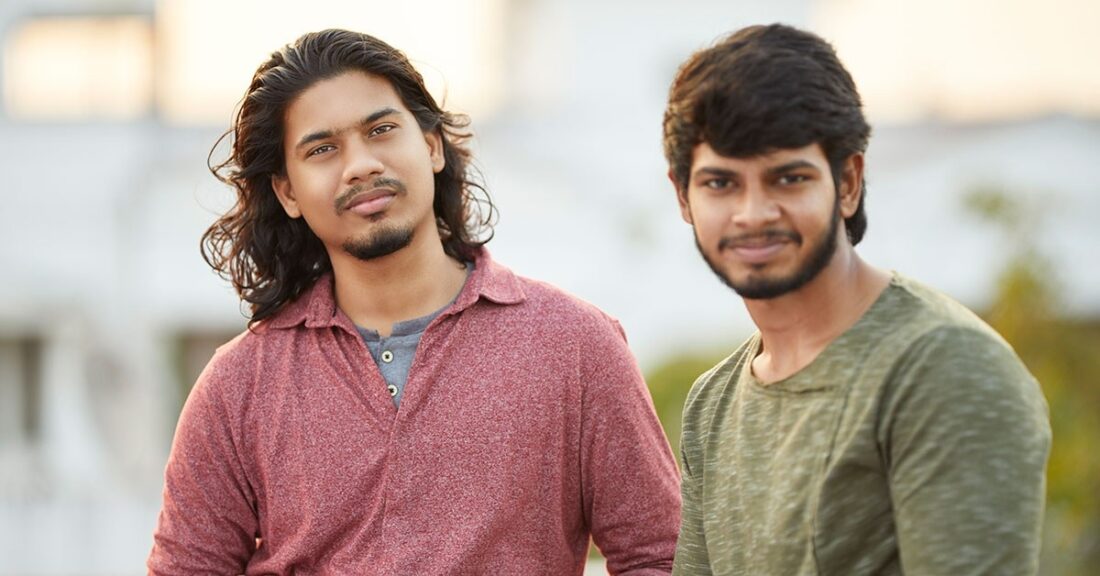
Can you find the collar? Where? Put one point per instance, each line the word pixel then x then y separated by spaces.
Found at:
pixel 316 307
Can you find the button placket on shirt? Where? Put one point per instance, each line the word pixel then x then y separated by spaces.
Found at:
pixel 387 356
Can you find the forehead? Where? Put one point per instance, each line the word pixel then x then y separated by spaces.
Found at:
pixel 340 102
pixel 704 156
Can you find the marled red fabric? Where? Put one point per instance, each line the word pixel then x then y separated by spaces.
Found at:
pixel 525 427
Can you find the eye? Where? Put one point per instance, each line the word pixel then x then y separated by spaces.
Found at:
pixel 320 150
pixel 791 179
pixel 717 183
pixel 382 129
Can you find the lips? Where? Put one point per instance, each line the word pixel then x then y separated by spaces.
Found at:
pixel 371 202
pixel 758 254
pixel 759 248
pixel 369 199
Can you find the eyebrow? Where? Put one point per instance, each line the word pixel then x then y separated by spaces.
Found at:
pixel 325 134
pixel 790 167
pixel 773 171
pixel 709 171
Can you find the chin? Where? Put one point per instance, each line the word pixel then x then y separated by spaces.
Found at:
pixel 380 244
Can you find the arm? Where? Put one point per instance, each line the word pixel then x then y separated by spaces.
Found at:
pixel 691 548
pixel 965 434
pixel 630 485
pixel 208 523
pixel 692 557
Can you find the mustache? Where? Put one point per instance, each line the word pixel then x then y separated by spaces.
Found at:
pixel 348 195
pixel 756 238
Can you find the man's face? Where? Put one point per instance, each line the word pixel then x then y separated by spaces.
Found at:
pixel 767 225
pixel 358 167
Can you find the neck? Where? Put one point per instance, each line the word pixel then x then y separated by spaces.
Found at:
pixel 797 326
pixel 412 282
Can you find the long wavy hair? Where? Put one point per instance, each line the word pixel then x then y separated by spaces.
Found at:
pixel 271 258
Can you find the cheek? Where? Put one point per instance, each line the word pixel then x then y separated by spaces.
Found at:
pixel 316 197
pixel 812 209
pixel 709 221
pixel 313 181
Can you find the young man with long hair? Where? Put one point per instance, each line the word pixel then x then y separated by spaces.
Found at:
pixel 401 403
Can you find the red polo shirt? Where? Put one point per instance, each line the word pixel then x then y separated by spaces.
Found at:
pixel 525 427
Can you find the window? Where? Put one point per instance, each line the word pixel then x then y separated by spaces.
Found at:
pixel 79 68
pixel 206 56
pixel 20 389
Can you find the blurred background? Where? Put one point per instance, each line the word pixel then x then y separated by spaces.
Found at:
pixel 982 178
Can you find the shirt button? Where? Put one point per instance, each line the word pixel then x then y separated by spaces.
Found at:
pixel 387 356
pixel 392 389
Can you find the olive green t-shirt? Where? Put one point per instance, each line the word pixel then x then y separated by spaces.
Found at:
pixel 915 443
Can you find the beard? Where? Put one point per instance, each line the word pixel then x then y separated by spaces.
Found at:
pixel 763 287
pixel 387 239
pixel 381 243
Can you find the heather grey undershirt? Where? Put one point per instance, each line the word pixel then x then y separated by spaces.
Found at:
pixel 394 354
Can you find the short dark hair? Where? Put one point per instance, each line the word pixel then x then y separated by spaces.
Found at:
pixel 766 88
pixel 271 258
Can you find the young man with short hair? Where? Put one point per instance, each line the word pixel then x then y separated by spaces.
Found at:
pixel 401 403
pixel 872 425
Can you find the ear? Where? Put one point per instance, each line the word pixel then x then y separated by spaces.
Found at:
pixel 435 149
pixel 851 184
pixel 681 198
pixel 285 193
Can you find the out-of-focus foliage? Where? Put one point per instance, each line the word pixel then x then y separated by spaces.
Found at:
pixel 669 384
pixel 1064 355
pixel 1062 352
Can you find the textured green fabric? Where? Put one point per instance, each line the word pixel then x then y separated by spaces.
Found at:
pixel 915 443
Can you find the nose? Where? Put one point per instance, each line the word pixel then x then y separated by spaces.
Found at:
pixel 361 162
pixel 755 208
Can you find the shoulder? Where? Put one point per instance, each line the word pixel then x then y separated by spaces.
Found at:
pixel 582 342
pixel 554 306
pixel 959 359
pixel 954 365
pixel 912 323
pixel 939 331
pixel 511 302
pixel 233 370
pixel 715 385
pixel 928 309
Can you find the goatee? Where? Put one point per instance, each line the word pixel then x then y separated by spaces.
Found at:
pixel 763 287
pixel 381 243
